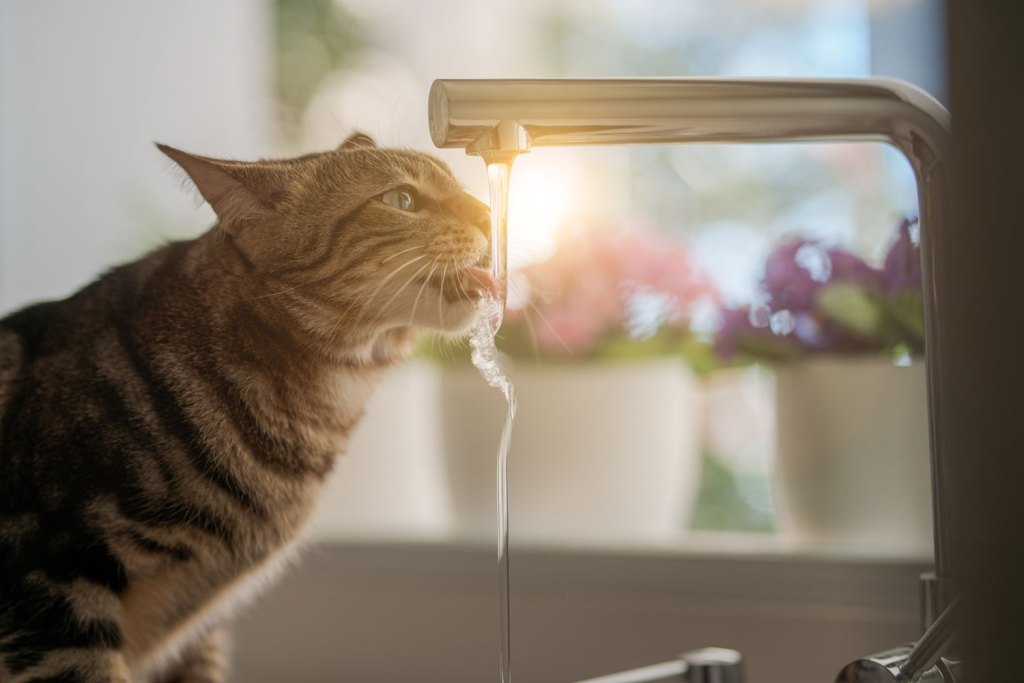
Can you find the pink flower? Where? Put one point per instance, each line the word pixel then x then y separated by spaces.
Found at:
pixel 583 293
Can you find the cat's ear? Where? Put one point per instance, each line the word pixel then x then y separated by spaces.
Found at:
pixel 357 141
pixel 235 190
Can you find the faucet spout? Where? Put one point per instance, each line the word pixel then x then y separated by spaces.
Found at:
pixel 498 119
pixel 559 112
pixel 501 144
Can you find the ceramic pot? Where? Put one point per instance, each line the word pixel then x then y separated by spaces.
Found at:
pixel 852 454
pixel 601 452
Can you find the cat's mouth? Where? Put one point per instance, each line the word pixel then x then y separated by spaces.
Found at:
pixel 469 283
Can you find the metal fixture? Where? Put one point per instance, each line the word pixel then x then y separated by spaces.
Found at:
pixel 498 119
pixel 707 665
pixel 923 662
pixel 932 646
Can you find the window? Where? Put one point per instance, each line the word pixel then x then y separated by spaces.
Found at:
pixel 77 118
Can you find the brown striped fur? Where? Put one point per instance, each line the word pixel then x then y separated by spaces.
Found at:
pixel 164 432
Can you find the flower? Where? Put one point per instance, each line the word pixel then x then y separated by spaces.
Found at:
pixel 825 299
pixel 739 332
pixel 601 287
pixel 797 271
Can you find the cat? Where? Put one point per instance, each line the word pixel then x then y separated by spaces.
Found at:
pixel 165 431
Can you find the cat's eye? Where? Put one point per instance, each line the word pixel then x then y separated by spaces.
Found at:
pixel 402 198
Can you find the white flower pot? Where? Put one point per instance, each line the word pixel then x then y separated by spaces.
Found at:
pixel 391 482
pixel 601 452
pixel 852 454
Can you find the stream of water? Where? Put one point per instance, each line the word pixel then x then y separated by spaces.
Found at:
pixel 485 357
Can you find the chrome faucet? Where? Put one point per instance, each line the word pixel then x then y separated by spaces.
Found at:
pixel 499 119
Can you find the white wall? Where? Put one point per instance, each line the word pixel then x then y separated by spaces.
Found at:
pixel 85 89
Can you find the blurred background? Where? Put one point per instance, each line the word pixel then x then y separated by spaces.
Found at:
pixel 717 348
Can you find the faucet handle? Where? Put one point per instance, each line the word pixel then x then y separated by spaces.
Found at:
pixel 706 665
pixel 713 665
pixel 926 661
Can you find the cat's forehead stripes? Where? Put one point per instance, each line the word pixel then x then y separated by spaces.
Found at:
pixel 429 173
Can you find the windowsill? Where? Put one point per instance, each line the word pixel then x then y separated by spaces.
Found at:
pixel 737 545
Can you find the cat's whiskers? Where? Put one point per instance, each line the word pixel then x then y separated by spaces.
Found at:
pixel 392 164
pixel 363 303
pixel 390 275
pixel 544 320
pixel 395 272
pixel 401 123
pixel 559 266
pixel 279 293
pixel 404 251
pixel 533 336
pixel 330 110
pixel 401 289
pixel 462 287
pixel 423 287
pixel 441 210
pixel 440 294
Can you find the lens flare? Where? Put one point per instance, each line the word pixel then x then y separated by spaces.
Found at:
pixel 540 200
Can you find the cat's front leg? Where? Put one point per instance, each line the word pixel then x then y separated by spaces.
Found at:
pixel 59 631
pixel 204 661
pixel 75 666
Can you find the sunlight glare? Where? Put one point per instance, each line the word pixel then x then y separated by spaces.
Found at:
pixel 540 200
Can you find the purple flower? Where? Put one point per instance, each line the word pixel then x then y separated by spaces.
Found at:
pixel 734 325
pixel 848 267
pixel 902 269
pixel 788 284
pixel 797 270
pixel 737 334
pixel 791 318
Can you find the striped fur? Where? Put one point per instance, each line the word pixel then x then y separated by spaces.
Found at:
pixel 164 432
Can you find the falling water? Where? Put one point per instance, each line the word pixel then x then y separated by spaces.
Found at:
pixel 485 358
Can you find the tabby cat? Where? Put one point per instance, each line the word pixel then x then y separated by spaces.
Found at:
pixel 165 432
